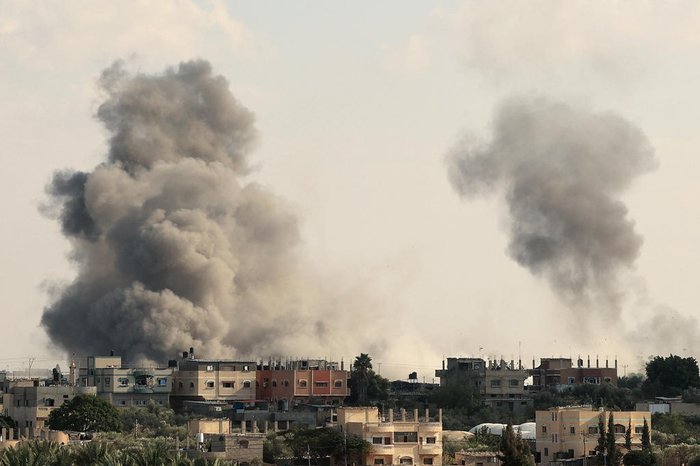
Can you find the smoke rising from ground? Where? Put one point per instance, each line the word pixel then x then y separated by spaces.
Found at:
pixel 562 170
pixel 174 247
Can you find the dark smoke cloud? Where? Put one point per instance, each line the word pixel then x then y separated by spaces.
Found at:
pixel 173 247
pixel 562 170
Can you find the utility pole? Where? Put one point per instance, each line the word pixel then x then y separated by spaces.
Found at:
pixel 31 363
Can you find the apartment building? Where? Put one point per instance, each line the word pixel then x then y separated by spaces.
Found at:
pixel 501 384
pixel 402 440
pixel 125 386
pixel 572 432
pixel 212 379
pixel 30 402
pixel 560 373
pixel 290 383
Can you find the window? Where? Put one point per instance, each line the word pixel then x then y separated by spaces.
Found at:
pixel 427 461
pixel 554 438
pixel 210 368
pixel 179 384
pixel 430 440
pixel 122 402
pixel 338 384
pixel 246 384
pixel 638 429
pixel 321 384
pixel 243 443
pixel 107 380
pixel 246 368
pixel 378 460
pixel 405 460
pixel 554 416
pixel 405 437
pixel 265 382
pixel 286 383
pixel 123 381
pixel 592 430
pixel 191 384
pixel 546 452
pixel 572 430
pixel 544 429
pixel 570 381
pixel 227 384
pixel 274 383
pixel 302 383
pixel 210 384
pixel 162 382
pixel 377 440
pixel 619 429
pixel 49 402
pixel 514 382
pixel 495 383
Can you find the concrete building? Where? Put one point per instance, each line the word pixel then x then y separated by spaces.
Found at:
pixel 286 384
pixel 572 432
pixel 244 449
pixel 501 384
pixel 212 379
pixel 404 440
pixel 30 402
pixel 560 373
pixel 668 405
pixel 124 386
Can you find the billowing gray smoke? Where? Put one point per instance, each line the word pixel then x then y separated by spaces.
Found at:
pixel 562 170
pixel 173 247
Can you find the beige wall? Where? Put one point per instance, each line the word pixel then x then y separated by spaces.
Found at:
pixel 560 430
pixel 406 438
pixel 213 384
pixel 209 426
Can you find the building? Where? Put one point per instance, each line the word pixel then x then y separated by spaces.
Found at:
pixel 288 384
pixel 212 379
pixel 501 384
pixel 559 373
pixel 572 432
pixel 244 449
pixel 405 440
pixel 30 402
pixel 668 405
pixel 124 386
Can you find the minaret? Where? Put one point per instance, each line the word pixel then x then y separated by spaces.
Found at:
pixel 72 375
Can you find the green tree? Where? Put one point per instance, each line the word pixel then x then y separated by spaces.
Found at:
pixel 6 422
pixel 628 436
pixel 600 448
pixel 514 451
pixel 360 376
pixel 637 458
pixel 86 413
pixel 614 456
pixel 646 442
pixel 671 376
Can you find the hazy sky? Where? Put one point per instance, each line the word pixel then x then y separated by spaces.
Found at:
pixel 357 105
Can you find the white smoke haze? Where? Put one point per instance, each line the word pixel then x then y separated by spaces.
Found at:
pixel 175 247
pixel 561 171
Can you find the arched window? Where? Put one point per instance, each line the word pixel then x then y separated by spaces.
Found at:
pixel 619 429
pixel 246 384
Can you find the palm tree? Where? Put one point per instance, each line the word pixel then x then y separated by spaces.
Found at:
pixel 362 366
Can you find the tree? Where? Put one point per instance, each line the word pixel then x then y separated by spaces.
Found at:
pixel 637 458
pixel 360 376
pixel 514 451
pixel 646 442
pixel 600 448
pixel 614 456
pixel 628 436
pixel 86 413
pixel 670 376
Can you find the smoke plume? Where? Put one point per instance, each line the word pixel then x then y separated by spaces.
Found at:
pixel 562 170
pixel 174 247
